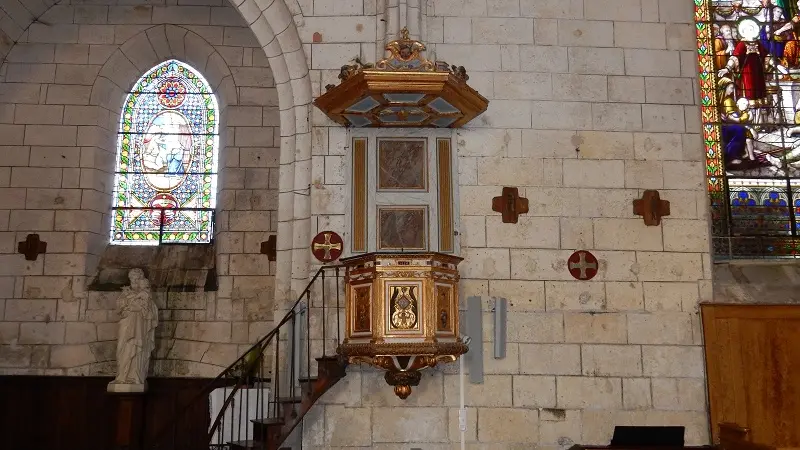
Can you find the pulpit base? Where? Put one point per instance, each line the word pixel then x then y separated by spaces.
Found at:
pixel 403 370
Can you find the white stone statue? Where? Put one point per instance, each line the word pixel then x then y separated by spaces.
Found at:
pixel 136 340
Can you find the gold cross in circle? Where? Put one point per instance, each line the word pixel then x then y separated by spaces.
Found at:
pixel 327 246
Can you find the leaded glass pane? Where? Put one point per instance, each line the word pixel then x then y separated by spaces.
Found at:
pixel 166 173
pixel 749 59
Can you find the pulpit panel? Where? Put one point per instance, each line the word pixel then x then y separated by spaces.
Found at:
pixel 402 314
pixel 403 192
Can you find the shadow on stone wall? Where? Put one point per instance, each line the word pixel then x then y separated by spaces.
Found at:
pixel 757 282
pixel 168 267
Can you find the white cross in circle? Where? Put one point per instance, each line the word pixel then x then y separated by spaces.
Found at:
pixel 582 265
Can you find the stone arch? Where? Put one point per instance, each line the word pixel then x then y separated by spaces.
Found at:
pixel 274 24
pixel 156 44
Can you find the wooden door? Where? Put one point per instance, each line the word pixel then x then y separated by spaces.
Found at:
pixel 753 365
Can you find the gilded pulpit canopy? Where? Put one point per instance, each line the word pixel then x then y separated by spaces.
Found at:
pixel 403 90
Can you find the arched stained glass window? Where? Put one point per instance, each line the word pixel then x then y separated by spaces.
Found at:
pixel 749 53
pixel 166 172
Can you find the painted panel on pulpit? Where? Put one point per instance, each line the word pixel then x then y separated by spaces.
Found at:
pixel 749 55
pixel 402 228
pixel 402 164
pixel 166 170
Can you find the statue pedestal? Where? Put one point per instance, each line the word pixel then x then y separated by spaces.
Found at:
pixel 129 423
pixel 119 388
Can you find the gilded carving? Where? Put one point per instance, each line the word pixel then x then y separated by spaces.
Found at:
pixel 362 310
pixel 437 349
pixel 433 93
pixel 443 308
pixel 404 307
pixel 403 274
pixel 401 320
pixel 349 70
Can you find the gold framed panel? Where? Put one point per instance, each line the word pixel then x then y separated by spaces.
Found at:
pixel 400 169
pixel 402 227
pixel 403 319
pixel 444 156
pixel 359 219
pixel 445 309
pixel 361 317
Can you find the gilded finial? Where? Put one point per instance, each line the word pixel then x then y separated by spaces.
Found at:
pixel 404 33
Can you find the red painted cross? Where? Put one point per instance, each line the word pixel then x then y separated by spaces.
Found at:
pixel 31 247
pixel 582 265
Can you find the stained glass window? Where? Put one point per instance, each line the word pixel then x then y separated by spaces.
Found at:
pixel 166 170
pixel 749 55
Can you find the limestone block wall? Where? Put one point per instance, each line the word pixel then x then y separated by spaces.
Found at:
pixel 62 85
pixel 591 102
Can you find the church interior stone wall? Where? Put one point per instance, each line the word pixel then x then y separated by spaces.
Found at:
pixel 591 102
pixel 62 88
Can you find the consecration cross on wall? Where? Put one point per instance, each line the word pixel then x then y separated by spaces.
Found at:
pixel 510 205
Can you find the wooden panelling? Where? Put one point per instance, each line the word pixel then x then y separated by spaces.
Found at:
pixel 446 244
pixel 359 195
pixel 76 413
pixel 753 365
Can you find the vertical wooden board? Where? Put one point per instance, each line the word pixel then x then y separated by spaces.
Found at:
pixel 47 394
pixel 753 370
pixel 99 409
pixel 723 405
pixel 711 340
pixel 446 236
pixel 757 368
pixel 359 217
pixel 68 396
pixel 160 414
pixel 791 335
pixel 16 406
pixel 786 340
pixel 734 376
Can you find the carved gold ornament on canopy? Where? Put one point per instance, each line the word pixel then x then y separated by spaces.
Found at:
pixel 403 90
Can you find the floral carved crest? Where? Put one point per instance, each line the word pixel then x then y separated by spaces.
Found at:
pixel 405 54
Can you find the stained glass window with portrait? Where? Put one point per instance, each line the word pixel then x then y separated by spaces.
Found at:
pixel 749 54
pixel 166 171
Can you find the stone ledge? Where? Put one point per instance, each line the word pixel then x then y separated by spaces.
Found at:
pixel 173 267
pixel 757 282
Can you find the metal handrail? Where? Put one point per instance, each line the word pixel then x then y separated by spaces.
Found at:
pixel 248 367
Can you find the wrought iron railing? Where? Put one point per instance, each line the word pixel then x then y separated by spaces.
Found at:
pixel 267 381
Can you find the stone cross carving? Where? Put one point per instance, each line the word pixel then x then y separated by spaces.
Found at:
pixel 136 338
pixel 270 248
pixel 651 208
pixel 31 247
pixel 510 205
